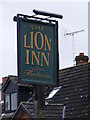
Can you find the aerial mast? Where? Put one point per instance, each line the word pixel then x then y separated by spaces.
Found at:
pixel 72 34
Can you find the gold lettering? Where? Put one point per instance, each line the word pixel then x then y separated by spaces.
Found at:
pixel 36 58
pixel 43 56
pixel 39 27
pixel 47 42
pixel 27 56
pixel 25 41
pixel 32 27
pixel 31 39
pixel 42 41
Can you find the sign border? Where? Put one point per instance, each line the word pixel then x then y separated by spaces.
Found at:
pixel 55 82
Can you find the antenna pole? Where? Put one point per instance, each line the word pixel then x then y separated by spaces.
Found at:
pixel 72 34
pixel 73 47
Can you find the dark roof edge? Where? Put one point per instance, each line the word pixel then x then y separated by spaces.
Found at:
pixel 7 82
pixel 23 107
pixel 74 66
pixel 16 111
pixel 27 111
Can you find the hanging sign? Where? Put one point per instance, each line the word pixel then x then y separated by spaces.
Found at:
pixel 37 52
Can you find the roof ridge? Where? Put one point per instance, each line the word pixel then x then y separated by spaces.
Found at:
pixel 74 66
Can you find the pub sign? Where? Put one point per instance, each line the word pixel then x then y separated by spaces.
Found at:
pixel 37 52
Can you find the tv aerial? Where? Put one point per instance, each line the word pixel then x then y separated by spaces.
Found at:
pixel 72 35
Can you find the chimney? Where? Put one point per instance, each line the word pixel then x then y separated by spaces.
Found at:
pixel 4 79
pixel 81 59
pixel 2 94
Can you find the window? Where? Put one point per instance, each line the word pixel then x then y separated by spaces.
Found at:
pixel 11 102
pixel 7 101
pixel 53 92
pixel 14 101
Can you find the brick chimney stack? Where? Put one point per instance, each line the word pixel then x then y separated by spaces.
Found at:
pixel 2 94
pixel 81 59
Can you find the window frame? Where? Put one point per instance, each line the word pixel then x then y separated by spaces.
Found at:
pixel 10 94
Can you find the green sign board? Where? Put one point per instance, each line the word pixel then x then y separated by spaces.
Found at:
pixel 37 52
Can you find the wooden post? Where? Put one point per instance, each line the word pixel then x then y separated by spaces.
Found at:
pixel 39 102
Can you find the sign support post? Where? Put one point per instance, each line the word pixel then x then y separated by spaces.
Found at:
pixel 39 101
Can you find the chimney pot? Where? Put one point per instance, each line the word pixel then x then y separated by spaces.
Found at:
pixel 81 54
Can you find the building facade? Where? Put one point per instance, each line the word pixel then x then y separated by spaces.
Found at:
pixel 14 93
pixel 72 92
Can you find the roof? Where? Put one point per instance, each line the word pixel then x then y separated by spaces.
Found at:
pixel 14 79
pixel 7 116
pixel 51 110
pixel 74 90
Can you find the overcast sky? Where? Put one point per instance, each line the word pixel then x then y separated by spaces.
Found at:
pixel 75 19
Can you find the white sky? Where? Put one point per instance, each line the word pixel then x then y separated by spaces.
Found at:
pixel 75 19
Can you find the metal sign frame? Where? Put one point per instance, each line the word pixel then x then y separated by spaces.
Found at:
pixel 53 79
